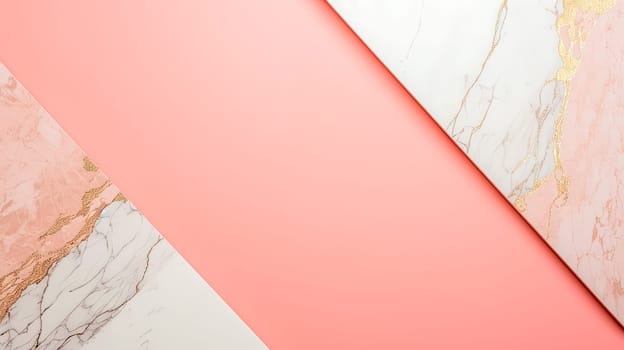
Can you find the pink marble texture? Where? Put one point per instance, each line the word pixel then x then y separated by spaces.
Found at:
pixel 584 220
pixel 51 194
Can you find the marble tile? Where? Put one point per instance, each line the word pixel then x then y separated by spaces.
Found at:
pixel 81 267
pixel 529 90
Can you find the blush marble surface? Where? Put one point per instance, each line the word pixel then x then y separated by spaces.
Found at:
pixel 529 90
pixel 82 268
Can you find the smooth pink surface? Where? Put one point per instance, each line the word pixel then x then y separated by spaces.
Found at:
pixel 283 161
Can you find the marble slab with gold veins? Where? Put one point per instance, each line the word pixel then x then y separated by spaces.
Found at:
pixel 531 91
pixel 80 267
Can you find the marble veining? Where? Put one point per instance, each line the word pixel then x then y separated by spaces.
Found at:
pixel 81 267
pixel 85 290
pixel 528 90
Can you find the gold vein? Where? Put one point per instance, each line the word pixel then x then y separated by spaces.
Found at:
pixel 500 20
pixel 37 265
pixel 576 31
pixel 87 199
pixel 480 125
pixel 88 165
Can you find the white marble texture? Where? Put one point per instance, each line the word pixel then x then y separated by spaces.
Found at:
pixel 480 70
pixel 124 287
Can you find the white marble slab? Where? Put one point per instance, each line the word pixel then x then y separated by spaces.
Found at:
pixel 480 70
pixel 530 90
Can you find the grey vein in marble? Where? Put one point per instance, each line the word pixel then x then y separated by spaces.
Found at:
pixel 124 287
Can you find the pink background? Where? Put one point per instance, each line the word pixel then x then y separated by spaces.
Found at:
pixel 282 160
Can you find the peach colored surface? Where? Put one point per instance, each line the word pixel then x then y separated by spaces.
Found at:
pixel 283 161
